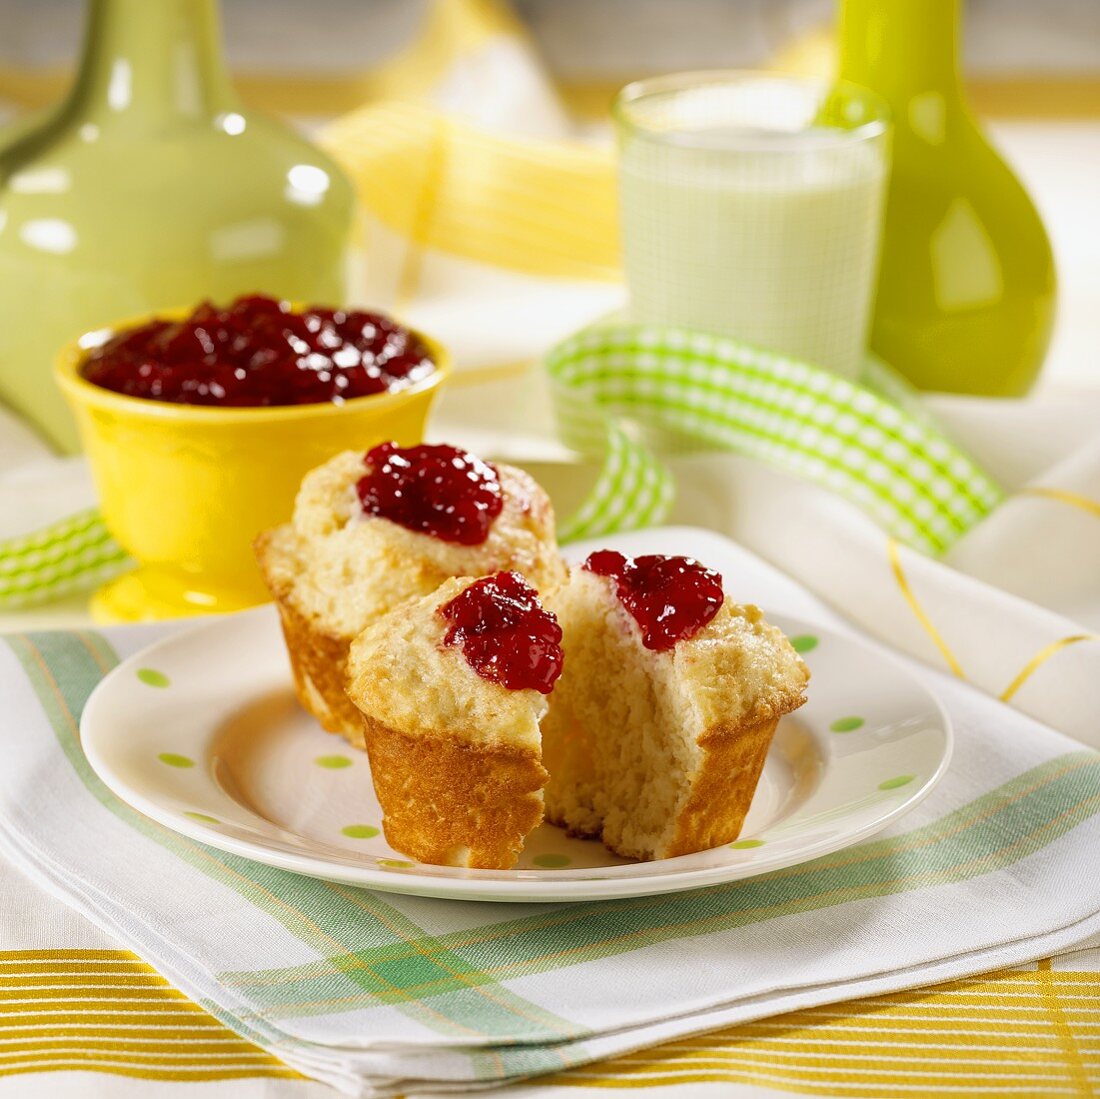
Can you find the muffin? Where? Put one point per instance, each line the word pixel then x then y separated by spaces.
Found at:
pixel 451 689
pixel 372 531
pixel 660 723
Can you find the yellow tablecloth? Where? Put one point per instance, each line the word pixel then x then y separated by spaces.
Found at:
pixel 74 1003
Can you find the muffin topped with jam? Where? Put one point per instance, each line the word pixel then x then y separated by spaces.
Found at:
pixel 660 723
pixel 373 530
pixel 452 688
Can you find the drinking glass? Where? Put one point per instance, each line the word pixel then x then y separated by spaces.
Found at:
pixel 751 206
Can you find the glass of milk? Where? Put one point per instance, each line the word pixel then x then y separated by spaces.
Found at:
pixel 751 205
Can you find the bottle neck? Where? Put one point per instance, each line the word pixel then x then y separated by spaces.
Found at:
pixel 901 48
pixel 148 61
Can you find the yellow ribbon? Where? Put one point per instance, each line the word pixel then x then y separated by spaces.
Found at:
pixel 1040 658
pixel 1025 673
pixel 903 583
pixel 536 207
pixel 1074 499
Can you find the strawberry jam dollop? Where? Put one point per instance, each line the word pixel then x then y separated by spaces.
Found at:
pixel 505 634
pixel 260 352
pixel 438 490
pixel 671 598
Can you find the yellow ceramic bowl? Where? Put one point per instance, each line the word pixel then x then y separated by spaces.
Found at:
pixel 185 489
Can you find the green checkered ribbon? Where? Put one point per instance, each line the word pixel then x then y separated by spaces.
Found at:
pixel 614 379
pixel 620 390
pixel 70 555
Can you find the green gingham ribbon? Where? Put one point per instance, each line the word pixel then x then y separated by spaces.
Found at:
pixel 674 383
pixel 70 555
pixel 611 380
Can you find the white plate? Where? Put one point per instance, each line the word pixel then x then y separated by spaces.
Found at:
pixel 201 732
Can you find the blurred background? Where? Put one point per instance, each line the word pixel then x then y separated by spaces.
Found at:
pixel 1033 57
pixel 1032 70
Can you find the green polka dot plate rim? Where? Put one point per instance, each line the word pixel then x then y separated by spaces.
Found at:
pixel 266 783
pixel 174 759
pixel 846 724
pixel 551 861
pixel 152 678
pixel 895 783
pixel 333 762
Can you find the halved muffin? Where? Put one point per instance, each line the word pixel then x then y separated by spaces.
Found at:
pixel 661 721
pixel 451 689
pixel 372 531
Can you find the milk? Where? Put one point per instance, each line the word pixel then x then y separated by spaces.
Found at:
pixel 771 238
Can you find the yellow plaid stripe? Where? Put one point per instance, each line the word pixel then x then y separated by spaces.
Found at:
pixel 107 1011
pixel 1033 1033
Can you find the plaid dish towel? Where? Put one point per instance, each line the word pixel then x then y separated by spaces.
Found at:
pixel 379 994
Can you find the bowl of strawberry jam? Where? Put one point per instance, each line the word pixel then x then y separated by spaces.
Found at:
pixel 200 424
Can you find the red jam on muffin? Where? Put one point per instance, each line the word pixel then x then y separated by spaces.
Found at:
pixel 259 352
pixel 671 598
pixel 439 490
pixel 505 634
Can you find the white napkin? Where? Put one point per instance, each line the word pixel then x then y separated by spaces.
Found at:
pixel 1043 543
pixel 974 879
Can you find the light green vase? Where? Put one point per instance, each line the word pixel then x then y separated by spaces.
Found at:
pixel 151 187
pixel 966 287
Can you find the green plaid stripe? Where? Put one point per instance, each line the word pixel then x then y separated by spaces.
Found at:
pixel 346 927
pixel 992 832
pixel 371 954
pixel 70 555
pixel 716 391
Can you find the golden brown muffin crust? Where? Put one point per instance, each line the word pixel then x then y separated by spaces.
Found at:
pixel 452 803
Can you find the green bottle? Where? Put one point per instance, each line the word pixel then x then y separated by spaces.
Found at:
pixel 966 288
pixel 150 187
